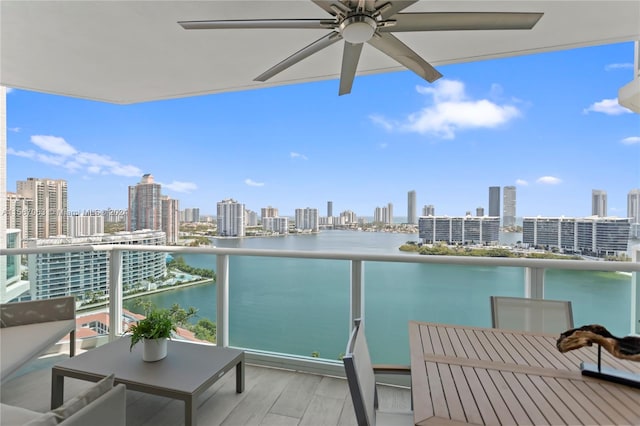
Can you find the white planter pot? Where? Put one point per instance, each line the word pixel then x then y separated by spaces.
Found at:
pixel 154 349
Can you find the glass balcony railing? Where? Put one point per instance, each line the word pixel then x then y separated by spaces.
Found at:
pixel 297 306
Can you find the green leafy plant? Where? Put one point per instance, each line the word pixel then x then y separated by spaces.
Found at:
pixel 158 323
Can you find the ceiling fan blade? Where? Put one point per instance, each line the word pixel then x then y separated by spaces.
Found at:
pixel 309 50
pixel 331 6
pixel 388 9
pixel 460 21
pixel 350 58
pixel 390 45
pixel 259 24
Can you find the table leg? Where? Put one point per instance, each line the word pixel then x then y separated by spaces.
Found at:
pixel 190 414
pixel 57 389
pixel 240 377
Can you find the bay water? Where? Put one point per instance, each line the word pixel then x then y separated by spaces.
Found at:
pixel 301 306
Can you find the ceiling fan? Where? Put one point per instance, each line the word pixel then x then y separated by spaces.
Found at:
pixel 373 21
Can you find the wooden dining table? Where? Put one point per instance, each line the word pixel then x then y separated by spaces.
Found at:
pixel 490 376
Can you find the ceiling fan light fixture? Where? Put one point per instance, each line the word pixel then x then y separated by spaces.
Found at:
pixel 358 29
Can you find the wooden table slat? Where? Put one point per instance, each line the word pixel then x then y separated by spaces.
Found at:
pixel 492 376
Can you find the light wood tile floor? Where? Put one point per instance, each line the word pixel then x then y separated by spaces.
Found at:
pixel 271 397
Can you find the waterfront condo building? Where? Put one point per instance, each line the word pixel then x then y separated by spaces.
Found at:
pixel 149 209
pixel 230 217
pixel 509 206
pixel 145 208
pixel 329 208
pixel 277 225
pixel 307 219
pixel 47 216
pixel 598 236
pixel 598 203
pixel 412 206
pixel 459 229
pixel 81 274
pixel 494 201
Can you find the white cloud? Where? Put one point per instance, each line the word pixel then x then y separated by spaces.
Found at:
pixel 451 111
pixel 610 67
pixel 14 129
pixel 178 186
pixel 253 183
pixel 521 182
pixel 631 140
pixel 24 154
pixel 549 180
pixel 58 152
pixel 53 144
pixel 607 106
pixel 382 122
pixel 298 155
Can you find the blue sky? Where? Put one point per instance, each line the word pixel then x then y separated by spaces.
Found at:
pixel 547 123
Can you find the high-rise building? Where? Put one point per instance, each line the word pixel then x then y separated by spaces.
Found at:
pixel 480 211
pixel 230 218
pixel 633 205
pixel 411 208
pixel 268 212
pixel 48 217
pixel 307 219
pixel 85 225
pixel 149 209
pixel 494 201
pixel 429 210
pixel 170 218
pixel 599 203
pixel 509 206
pixel 250 218
pixel 278 225
pixel 145 206
pixel 329 208
pixel 191 215
pixel 383 214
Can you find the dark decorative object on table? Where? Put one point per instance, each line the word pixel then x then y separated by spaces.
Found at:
pixel 627 347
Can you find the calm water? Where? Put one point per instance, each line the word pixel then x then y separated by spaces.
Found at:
pixel 299 306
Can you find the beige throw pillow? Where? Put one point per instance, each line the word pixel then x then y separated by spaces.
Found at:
pixel 83 399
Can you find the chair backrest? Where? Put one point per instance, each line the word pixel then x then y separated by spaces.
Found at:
pixel 542 315
pixel 362 382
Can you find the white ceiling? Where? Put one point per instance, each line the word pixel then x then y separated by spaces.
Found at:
pixel 134 51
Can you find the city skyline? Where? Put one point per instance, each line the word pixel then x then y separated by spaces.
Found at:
pixel 555 136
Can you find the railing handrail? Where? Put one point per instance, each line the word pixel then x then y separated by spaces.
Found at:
pixel 589 265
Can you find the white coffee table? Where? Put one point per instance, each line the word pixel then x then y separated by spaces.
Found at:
pixel 188 370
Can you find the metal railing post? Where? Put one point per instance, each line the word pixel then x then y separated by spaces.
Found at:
pixel 635 293
pixel 356 307
pixel 534 283
pixel 115 294
pixel 222 289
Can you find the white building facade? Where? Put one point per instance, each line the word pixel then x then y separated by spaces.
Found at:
pixel 230 218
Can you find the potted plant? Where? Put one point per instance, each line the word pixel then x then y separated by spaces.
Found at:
pixel 156 328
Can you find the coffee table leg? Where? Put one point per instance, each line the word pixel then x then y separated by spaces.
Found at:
pixel 240 377
pixel 57 389
pixel 190 414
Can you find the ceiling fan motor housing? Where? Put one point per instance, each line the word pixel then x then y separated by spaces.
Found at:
pixel 358 28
